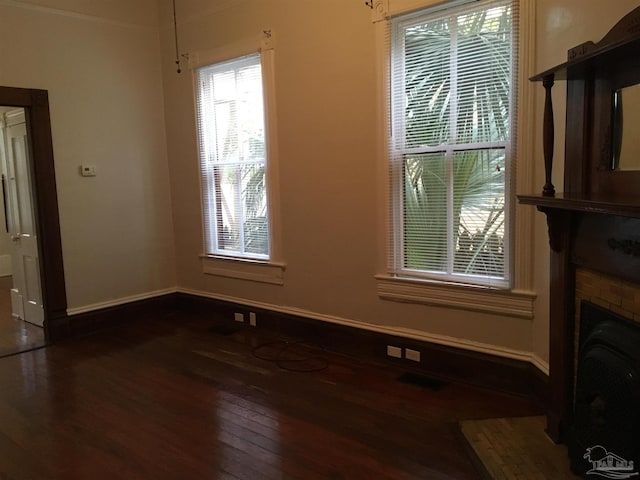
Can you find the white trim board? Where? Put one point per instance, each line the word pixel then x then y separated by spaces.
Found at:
pixel 120 301
pixel 71 14
pixel 460 343
pixel 502 302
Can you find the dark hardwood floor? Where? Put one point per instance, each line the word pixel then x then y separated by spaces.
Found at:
pixel 168 398
pixel 15 335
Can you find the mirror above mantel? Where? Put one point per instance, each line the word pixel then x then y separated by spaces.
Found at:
pixel 626 128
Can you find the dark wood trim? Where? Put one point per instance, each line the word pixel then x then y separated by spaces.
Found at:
pixel 548 134
pixel 83 324
pixel 539 388
pixel 437 361
pixel 36 105
pixel 608 244
pixel 561 326
pixel 579 104
pixel 603 203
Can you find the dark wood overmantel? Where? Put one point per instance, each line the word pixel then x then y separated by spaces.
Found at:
pixel 605 204
pixel 595 222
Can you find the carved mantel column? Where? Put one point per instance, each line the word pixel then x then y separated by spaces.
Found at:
pixel 548 137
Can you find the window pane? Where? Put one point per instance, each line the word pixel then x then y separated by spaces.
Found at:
pixel 478 209
pixel 227 208
pixel 425 212
pixel 254 203
pixel 242 206
pixel 451 113
pixel 237 119
pixel 427 83
pixel 233 157
pixel 484 75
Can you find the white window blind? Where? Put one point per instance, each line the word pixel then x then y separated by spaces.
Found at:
pixel 231 128
pixel 452 130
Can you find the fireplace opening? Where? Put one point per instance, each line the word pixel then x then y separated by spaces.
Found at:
pixel 605 435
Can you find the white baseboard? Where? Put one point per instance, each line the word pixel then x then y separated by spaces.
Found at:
pixel 120 301
pixel 396 331
pixel 540 364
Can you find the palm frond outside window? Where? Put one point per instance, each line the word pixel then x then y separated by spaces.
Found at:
pixel 452 110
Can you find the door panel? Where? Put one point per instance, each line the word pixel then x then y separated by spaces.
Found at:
pixel 20 179
pixel 26 294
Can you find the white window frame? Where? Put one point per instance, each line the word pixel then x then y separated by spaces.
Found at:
pixel 399 150
pixel 255 268
pixel 518 299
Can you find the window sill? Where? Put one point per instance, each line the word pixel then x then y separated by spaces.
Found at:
pixel 244 269
pixel 464 297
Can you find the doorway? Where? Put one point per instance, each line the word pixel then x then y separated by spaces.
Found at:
pixel 21 313
pixel 45 278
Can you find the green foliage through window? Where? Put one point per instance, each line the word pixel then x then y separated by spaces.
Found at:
pixel 233 158
pixel 452 96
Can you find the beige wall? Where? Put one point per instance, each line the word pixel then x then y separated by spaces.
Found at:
pixel 326 93
pixel 326 110
pixel 100 63
pixel 113 92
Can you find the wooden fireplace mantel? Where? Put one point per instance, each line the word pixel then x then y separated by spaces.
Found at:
pixel 602 203
pixel 595 222
pixel 557 207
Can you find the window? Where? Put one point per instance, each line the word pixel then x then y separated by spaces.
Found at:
pixel 452 131
pixel 233 158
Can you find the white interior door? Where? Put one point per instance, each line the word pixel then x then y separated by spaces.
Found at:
pixel 26 294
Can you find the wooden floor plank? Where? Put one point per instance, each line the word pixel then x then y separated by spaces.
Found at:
pixel 169 399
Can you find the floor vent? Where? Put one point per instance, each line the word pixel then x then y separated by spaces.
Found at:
pixel 421 381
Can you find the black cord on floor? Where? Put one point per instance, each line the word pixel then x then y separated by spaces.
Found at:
pixel 292 356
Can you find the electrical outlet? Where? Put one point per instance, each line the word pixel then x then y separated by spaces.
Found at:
pixel 252 319
pixel 413 355
pixel 238 317
pixel 395 352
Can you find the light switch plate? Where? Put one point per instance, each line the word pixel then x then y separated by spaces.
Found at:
pixel 88 170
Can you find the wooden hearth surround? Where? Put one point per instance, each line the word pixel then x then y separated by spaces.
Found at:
pixel 595 222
